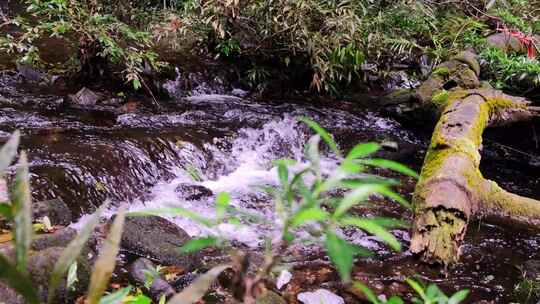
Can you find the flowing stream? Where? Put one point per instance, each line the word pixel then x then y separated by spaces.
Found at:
pixel 224 143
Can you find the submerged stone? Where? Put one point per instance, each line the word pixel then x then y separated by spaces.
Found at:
pixel 191 192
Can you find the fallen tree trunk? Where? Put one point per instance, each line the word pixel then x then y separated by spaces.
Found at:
pixel 451 189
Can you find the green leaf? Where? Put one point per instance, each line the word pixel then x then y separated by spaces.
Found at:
pixel 312 152
pixel 458 297
pixel 341 254
pixel 362 150
pixel 6 210
pixel 373 228
pixel 308 214
pixel 72 276
pixel 139 299
pixel 176 211
pixel 322 133
pixel 9 151
pixel 17 281
pixel 417 287
pixel 367 292
pixel 389 164
pixel 223 200
pixel 283 173
pixel 393 195
pixel 355 197
pixel 104 266
pixel 394 300
pixel 199 287
pixel 390 222
pixel 116 297
pixel 72 251
pixel 198 244
pixel 22 210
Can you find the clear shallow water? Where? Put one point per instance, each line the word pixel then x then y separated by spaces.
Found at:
pixel 141 158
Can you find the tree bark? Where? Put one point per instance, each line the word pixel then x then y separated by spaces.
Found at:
pixel 451 189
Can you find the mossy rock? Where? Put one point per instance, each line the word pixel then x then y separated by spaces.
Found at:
pixel 270 297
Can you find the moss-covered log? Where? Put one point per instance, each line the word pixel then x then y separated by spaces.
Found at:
pixel 451 189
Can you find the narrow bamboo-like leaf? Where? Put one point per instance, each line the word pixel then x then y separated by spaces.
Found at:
pixel 22 213
pixel 362 150
pixel 104 266
pixel 283 173
pixel 198 244
pixel 72 251
pixel 198 288
pixel 373 228
pixel 223 200
pixel 389 164
pixel 72 276
pixel 417 287
pixel 458 297
pixel 9 151
pixel 367 292
pixel 17 281
pixel 178 211
pixel 391 222
pixel 341 254
pixel 116 297
pixel 312 152
pixel 393 195
pixel 323 133
pixel 308 214
pixel 355 197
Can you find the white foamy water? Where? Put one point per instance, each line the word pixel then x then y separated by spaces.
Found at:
pixel 249 165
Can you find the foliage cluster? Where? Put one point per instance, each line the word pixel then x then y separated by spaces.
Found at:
pixel 336 42
pixel 94 30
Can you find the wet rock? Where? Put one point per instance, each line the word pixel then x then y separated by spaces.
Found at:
pixel 140 272
pixel 270 297
pixel 129 107
pixel 85 97
pixel 40 267
pixel 158 239
pixel 56 210
pixel 29 73
pixel 189 192
pixel 60 238
pixel 320 296
pixel 505 42
pixel 9 296
pixel 532 270
pixel 239 93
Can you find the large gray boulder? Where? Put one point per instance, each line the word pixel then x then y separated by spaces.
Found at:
pixel 157 239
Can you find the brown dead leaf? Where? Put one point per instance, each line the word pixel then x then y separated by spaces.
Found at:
pixel 6 237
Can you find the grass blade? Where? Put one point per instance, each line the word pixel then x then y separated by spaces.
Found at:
pixel 372 227
pixel 106 262
pixel 367 292
pixel 9 151
pixel 72 251
pixel 22 210
pixel 389 164
pixel 174 211
pixel 355 197
pixel 362 150
pixel 199 287
pixel 322 133
pixel 17 281
pixel 198 244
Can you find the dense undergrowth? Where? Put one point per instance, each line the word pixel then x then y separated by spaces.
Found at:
pixel 327 46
